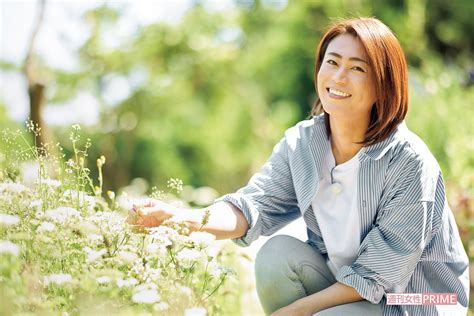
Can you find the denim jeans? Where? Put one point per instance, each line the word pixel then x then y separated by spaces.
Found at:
pixel 287 269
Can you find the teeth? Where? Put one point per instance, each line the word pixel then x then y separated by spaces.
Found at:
pixel 339 93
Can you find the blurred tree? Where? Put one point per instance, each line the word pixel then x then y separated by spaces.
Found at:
pixel 209 96
pixel 36 85
pixel 449 26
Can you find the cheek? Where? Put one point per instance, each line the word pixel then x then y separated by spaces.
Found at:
pixel 371 93
pixel 322 74
pixel 369 89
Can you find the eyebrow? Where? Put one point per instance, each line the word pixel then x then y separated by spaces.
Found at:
pixel 351 58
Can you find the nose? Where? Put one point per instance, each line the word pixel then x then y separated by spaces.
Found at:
pixel 340 75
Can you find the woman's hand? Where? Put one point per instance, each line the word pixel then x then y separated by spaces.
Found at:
pixel 150 213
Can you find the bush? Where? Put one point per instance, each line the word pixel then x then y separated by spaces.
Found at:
pixel 64 247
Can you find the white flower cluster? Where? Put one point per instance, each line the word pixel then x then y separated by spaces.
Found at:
pixel 93 255
pixel 50 182
pixel 62 214
pixel 82 197
pixel 7 247
pixel 8 220
pixel 46 227
pixel 202 239
pixel 108 222
pixel 146 294
pixel 156 269
pixel 12 187
pixel 58 279
pixel 127 282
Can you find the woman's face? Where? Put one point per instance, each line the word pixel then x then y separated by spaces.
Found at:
pixel 345 81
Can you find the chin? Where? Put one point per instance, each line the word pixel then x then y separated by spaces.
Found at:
pixel 333 109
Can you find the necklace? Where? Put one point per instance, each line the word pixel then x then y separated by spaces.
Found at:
pixel 336 187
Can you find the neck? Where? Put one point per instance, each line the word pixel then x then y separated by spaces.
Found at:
pixel 345 138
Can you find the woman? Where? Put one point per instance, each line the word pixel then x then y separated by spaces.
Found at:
pixel 369 190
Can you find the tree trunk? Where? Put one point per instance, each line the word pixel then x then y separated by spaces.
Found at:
pixel 36 93
pixel 37 89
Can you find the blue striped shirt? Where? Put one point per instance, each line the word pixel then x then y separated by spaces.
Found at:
pixel 409 239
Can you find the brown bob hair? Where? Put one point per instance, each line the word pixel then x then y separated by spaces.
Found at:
pixel 389 68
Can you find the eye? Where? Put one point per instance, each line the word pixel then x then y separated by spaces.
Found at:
pixel 331 62
pixel 357 68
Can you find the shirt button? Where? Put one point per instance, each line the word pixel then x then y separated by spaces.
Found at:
pixel 336 188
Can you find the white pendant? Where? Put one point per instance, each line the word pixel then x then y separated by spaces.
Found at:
pixel 336 188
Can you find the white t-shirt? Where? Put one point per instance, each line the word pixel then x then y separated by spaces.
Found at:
pixel 335 208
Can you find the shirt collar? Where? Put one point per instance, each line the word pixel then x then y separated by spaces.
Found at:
pixel 378 150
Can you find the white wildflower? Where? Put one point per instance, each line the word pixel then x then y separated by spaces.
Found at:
pixel 202 239
pixel 103 279
pixel 83 197
pixel 127 256
pixel 165 234
pixel 154 274
pixel 7 220
pixel 8 247
pixel 46 227
pixel 146 296
pixel 59 279
pixel 195 311
pixel 162 306
pixel 137 269
pixel 93 255
pixel 156 248
pixel 36 204
pixel 29 171
pixel 13 187
pixel 51 182
pixel 62 214
pixel 127 282
pixel 218 271
pixel 185 290
pixel 95 237
pixel 145 286
pixel 111 222
pixel 214 269
pixel 188 255
pixel 124 201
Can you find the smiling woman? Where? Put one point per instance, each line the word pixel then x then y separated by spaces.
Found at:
pixel 370 192
pixel 372 51
pixel 346 88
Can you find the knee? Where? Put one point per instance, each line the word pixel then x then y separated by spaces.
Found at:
pixel 273 256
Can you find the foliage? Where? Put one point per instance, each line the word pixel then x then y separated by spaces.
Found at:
pixel 65 248
pixel 209 96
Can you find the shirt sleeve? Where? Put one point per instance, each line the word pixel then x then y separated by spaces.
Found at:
pixel 389 253
pixel 268 201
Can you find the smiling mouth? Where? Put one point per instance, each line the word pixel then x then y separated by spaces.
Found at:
pixel 338 93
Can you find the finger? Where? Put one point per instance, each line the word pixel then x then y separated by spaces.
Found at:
pixel 142 212
pixel 142 203
pixel 146 211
